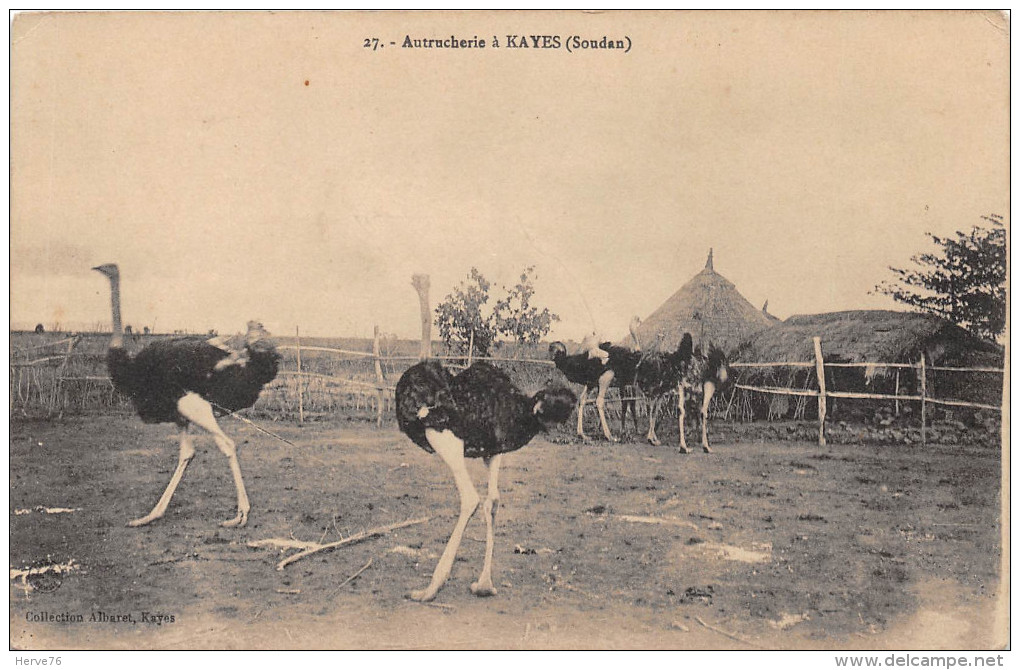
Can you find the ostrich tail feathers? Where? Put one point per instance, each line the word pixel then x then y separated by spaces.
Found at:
pixel 718 366
pixel 263 362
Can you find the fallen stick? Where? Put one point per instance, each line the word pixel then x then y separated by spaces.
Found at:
pixel 442 606
pixel 351 578
pixel 283 543
pixel 59 568
pixel 729 635
pixel 665 521
pixel 364 535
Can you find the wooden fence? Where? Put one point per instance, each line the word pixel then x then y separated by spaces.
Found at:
pixel 380 387
pixel 69 374
pixel 822 393
pixel 56 374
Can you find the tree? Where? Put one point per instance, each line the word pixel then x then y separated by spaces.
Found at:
pixel 460 315
pixel 513 316
pixel 519 320
pixel 964 281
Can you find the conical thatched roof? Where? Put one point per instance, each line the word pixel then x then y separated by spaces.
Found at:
pixel 710 308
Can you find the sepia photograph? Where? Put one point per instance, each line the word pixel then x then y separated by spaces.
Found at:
pixel 510 330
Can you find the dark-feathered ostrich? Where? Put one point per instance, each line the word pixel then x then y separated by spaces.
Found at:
pixel 703 376
pixel 190 381
pixel 660 373
pixel 478 413
pixel 687 372
pixel 591 372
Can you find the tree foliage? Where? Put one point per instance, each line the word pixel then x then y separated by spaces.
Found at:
pixel 963 281
pixel 464 311
pixel 516 318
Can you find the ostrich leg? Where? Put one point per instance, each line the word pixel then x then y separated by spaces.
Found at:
pixel 451 449
pixel 484 587
pixel 186 454
pixel 709 391
pixel 580 413
pixel 682 412
pixel 604 381
pixel 194 408
pixel 653 411
pixel 628 399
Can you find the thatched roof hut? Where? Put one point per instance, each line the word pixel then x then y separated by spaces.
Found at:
pixel 876 336
pixel 710 308
pixel 871 336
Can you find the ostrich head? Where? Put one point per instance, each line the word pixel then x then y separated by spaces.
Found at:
pixel 557 349
pixel 111 270
pixel 553 405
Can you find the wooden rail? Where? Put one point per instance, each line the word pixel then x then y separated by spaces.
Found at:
pixel 822 393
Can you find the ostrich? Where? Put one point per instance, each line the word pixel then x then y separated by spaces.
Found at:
pixel 628 391
pixel 182 381
pixel 687 371
pixel 658 374
pixel 478 413
pixel 615 369
pixel 702 377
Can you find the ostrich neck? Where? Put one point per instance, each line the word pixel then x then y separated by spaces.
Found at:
pixel 634 337
pixel 117 341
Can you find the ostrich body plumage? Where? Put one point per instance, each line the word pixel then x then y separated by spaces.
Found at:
pixel 617 370
pixel 481 406
pixel 159 375
pixel 658 373
pixel 691 374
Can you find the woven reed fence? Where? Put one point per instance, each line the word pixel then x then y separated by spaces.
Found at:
pixel 52 374
pixel 56 374
pixel 922 396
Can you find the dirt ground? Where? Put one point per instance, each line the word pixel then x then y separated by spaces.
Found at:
pixel 758 545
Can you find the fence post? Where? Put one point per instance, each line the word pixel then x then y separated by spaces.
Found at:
pixel 471 347
pixel 924 403
pixel 421 285
pixel 820 368
pixel 59 381
pixel 896 401
pixel 378 378
pixel 300 379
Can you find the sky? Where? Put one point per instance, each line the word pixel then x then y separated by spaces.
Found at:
pixel 270 166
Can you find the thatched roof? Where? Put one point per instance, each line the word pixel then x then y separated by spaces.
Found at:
pixel 710 308
pixel 875 336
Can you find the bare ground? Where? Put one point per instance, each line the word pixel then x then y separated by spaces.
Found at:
pixel 760 544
